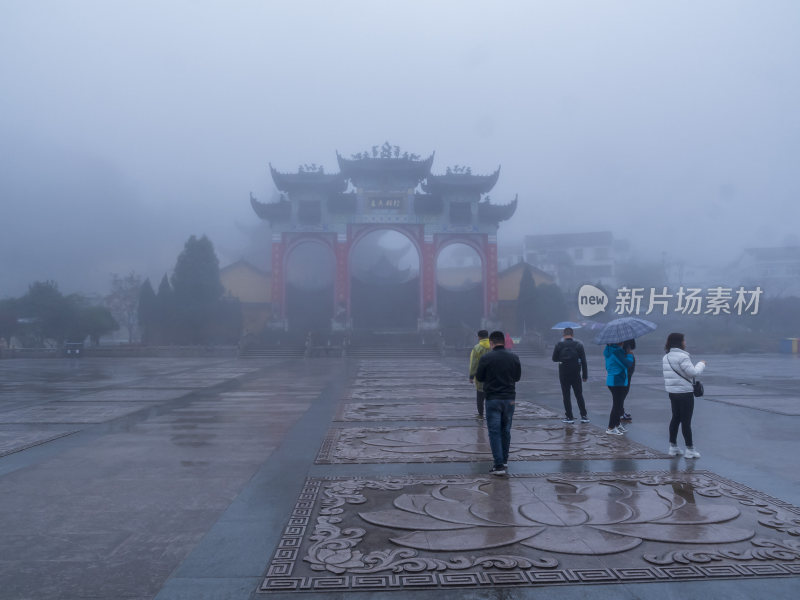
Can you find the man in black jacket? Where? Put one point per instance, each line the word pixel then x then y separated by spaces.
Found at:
pixel 571 359
pixel 498 371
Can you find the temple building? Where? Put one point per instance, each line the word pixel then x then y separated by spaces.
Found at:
pixel 322 218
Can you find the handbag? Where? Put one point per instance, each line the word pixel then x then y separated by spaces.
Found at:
pixel 697 386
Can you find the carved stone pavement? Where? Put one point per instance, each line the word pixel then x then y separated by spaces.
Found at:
pixel 454 443
pixel 466 532
pixel 279 478
pixel 428 411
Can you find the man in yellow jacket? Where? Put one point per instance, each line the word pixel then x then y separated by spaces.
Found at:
pixel 481 348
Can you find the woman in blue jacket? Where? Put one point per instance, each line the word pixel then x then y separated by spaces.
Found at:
pixel 618 361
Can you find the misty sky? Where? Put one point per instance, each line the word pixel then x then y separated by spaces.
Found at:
pixel 125 127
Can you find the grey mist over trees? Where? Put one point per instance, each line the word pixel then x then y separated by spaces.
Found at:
pixel 125 127
pixel 123 301
pixel 191 308
pixel 44 316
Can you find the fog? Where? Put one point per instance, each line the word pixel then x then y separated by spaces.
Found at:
pixel 125 127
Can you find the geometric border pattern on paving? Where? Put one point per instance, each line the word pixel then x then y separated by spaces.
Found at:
pixel 417 411
pixel 349 445
pixel 442 380
pixel 349 534
pixel 411 393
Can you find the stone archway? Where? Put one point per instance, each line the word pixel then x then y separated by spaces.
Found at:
pixel 309 271
pixel 384 271
pixel 460 285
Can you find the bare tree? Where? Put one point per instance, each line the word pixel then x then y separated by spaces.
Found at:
pixel 123 301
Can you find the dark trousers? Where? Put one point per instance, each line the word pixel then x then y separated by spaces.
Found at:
pixel 499 414
pixel 480 397
pixel 571 380
pixel 627 391
pixel 682 410
pixel 618 393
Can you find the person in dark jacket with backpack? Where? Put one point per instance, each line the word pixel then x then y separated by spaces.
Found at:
pixel 572 370
pixel 498 371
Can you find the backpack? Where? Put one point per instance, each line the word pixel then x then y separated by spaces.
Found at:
pixel 568 354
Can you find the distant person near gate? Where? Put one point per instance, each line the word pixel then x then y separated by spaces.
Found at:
pixel 572 370
pixel 499 371
pixel 481 348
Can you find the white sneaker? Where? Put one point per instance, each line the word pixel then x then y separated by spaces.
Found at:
pixel 691 453
pixel 613 431
pixel 622 428
pixel 675 451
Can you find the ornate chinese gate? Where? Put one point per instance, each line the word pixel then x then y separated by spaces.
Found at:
pixel 383 190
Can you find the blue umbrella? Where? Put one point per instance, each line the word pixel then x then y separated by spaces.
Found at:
pixel 565 324
pixel 626 328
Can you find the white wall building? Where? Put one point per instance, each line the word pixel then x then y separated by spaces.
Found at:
pixel 576 258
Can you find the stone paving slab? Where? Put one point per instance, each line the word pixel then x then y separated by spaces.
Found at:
pixel 470 444
pixel 113 513
pixel 16 440
pixel 421 411
pixel 722 391
pixel 789 406
pixel 191 499
pixel 448 532
pixel 71 412
pixel 127 395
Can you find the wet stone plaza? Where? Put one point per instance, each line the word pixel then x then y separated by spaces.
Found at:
pixel 262 479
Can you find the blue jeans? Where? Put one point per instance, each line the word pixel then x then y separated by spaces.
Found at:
pixel 499 413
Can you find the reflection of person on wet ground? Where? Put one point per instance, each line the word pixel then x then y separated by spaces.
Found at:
pixel 572 368
pixel 498 371
pixel 481 348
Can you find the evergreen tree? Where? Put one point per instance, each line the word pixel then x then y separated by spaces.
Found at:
pixel 164 313
pixel 550 306
pixel 196 279
pixel 147 312
pixel 226 326
pixel 202 315
pixel 526 301
pixel 539 306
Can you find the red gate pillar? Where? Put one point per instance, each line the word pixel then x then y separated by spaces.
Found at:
pixel 428 276
pixel 278 280
pixel 342 282
pixel 491 277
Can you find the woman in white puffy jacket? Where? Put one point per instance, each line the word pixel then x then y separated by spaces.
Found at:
pixel 679 372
